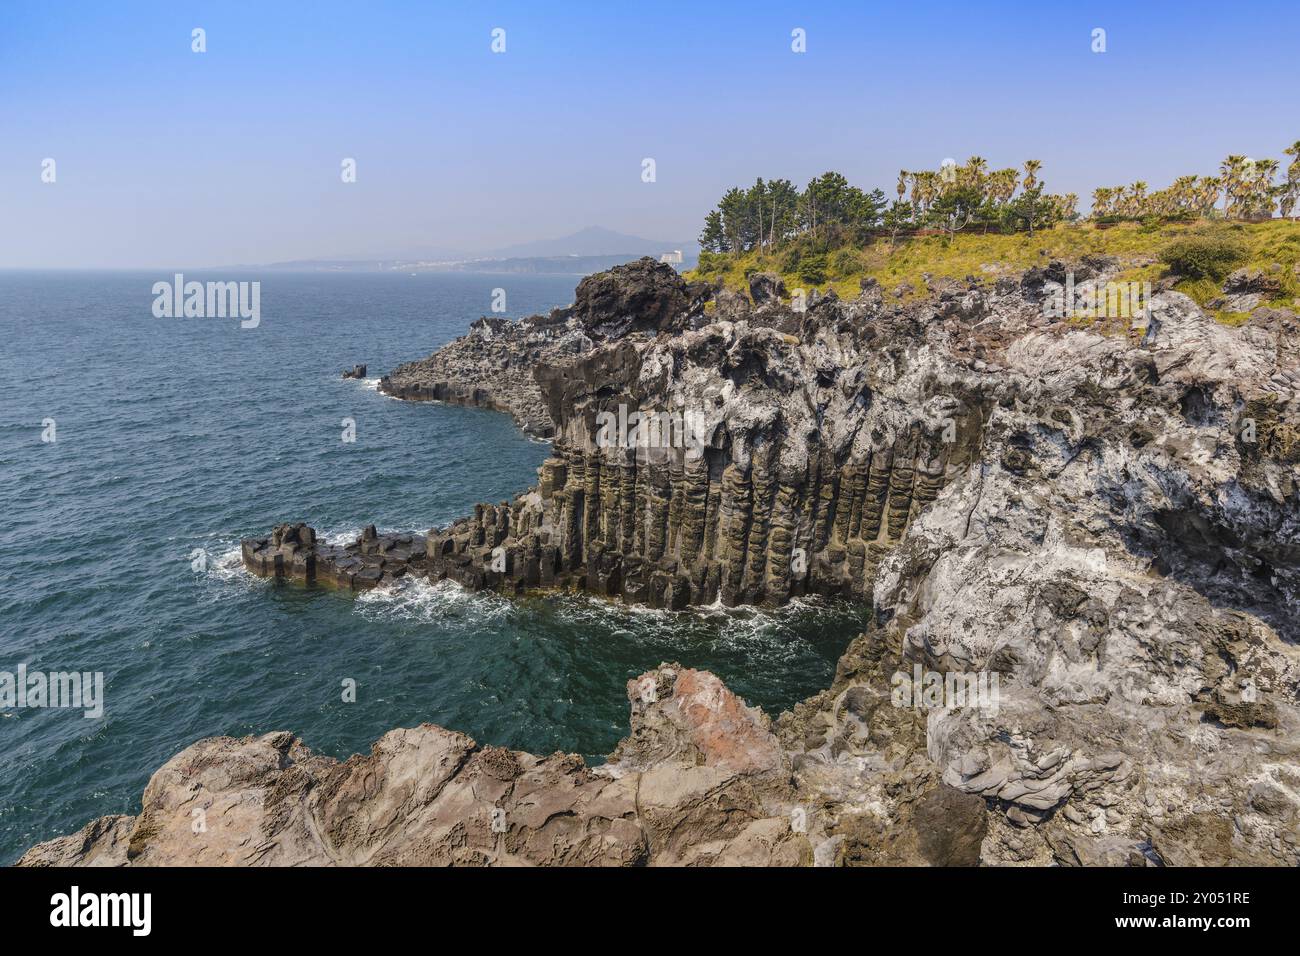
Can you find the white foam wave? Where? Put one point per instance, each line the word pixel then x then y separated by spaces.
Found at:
pixel 418 599
pixel 337 537
pixel 715 622
pixel 340 537
pixel 225 564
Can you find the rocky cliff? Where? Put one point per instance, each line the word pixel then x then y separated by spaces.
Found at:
pixel 1081 541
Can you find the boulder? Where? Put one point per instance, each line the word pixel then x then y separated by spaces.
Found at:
pixel 765 288
pixel 640 296
pixel 1242 281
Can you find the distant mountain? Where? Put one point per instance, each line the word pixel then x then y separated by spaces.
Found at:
pixel 585 251
pixel 592 241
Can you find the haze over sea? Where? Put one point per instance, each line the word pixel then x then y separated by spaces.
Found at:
pixel 177 436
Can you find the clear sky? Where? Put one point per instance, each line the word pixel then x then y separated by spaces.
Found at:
pixel 166 157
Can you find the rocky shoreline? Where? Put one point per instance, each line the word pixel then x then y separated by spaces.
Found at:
pixel 1103 516
pixel 700 781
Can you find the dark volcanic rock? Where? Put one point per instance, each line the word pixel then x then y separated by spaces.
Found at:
pixel 492 367
pixel 765 287
pixel 950 827
pixel 357 371
pixel 641 296
pixel 293 553
pixel 1243 281
pixel 791 452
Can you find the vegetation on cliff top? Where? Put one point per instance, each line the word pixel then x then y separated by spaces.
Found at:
pixel 966 220
pixel 902 266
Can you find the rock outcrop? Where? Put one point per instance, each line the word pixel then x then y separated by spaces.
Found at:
pixel 357 371
pixel 294 553
pixel 490 367
pixel 701 780
pixel 1081 543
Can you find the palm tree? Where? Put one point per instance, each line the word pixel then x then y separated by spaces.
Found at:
pixel 925 189
pixel 974 172
pixel 1232 171
pixel 1293 171
pixel 1291 188
pixel 1265 193
pixel 1131 201
pixel 1032 166
pixel 1207 194
pixel 1182 194
pixel 1160 203
pixel 1139 198
pixel 933 188
pixel 1102 198
pixel 1004 183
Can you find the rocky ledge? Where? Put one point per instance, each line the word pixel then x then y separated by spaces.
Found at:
pixel 702 779
pixel 493 365
pixel 294 553
pixel 1098 522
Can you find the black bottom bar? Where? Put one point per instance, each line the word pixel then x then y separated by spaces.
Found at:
pixel 253 907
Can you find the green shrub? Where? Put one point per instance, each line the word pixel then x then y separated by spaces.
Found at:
pixel 711 262
pixel 812 269
pixel 1204 257
pixel 847 263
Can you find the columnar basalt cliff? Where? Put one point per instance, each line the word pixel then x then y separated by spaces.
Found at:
pixel 789 452
pixel 787 463
pixel 1103 516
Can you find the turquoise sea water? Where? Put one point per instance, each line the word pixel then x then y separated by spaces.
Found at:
pixel 177 437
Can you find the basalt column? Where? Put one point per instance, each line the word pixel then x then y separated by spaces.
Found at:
pixel 786 570
pixel 820 508
pixel 900 484
pixel 734 512
pixel 763 490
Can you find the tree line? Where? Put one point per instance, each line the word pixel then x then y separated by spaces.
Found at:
pixel 955 197
pixel 769 213
pixel 950 199
pixel 1245 186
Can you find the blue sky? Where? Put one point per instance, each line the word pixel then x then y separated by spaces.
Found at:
pixel 169 158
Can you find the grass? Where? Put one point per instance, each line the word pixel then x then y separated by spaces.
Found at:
pixel 1137 245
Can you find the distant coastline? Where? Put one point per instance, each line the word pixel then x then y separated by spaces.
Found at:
pixel 520 265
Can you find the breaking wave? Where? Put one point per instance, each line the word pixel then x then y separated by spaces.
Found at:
pixel 419 600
